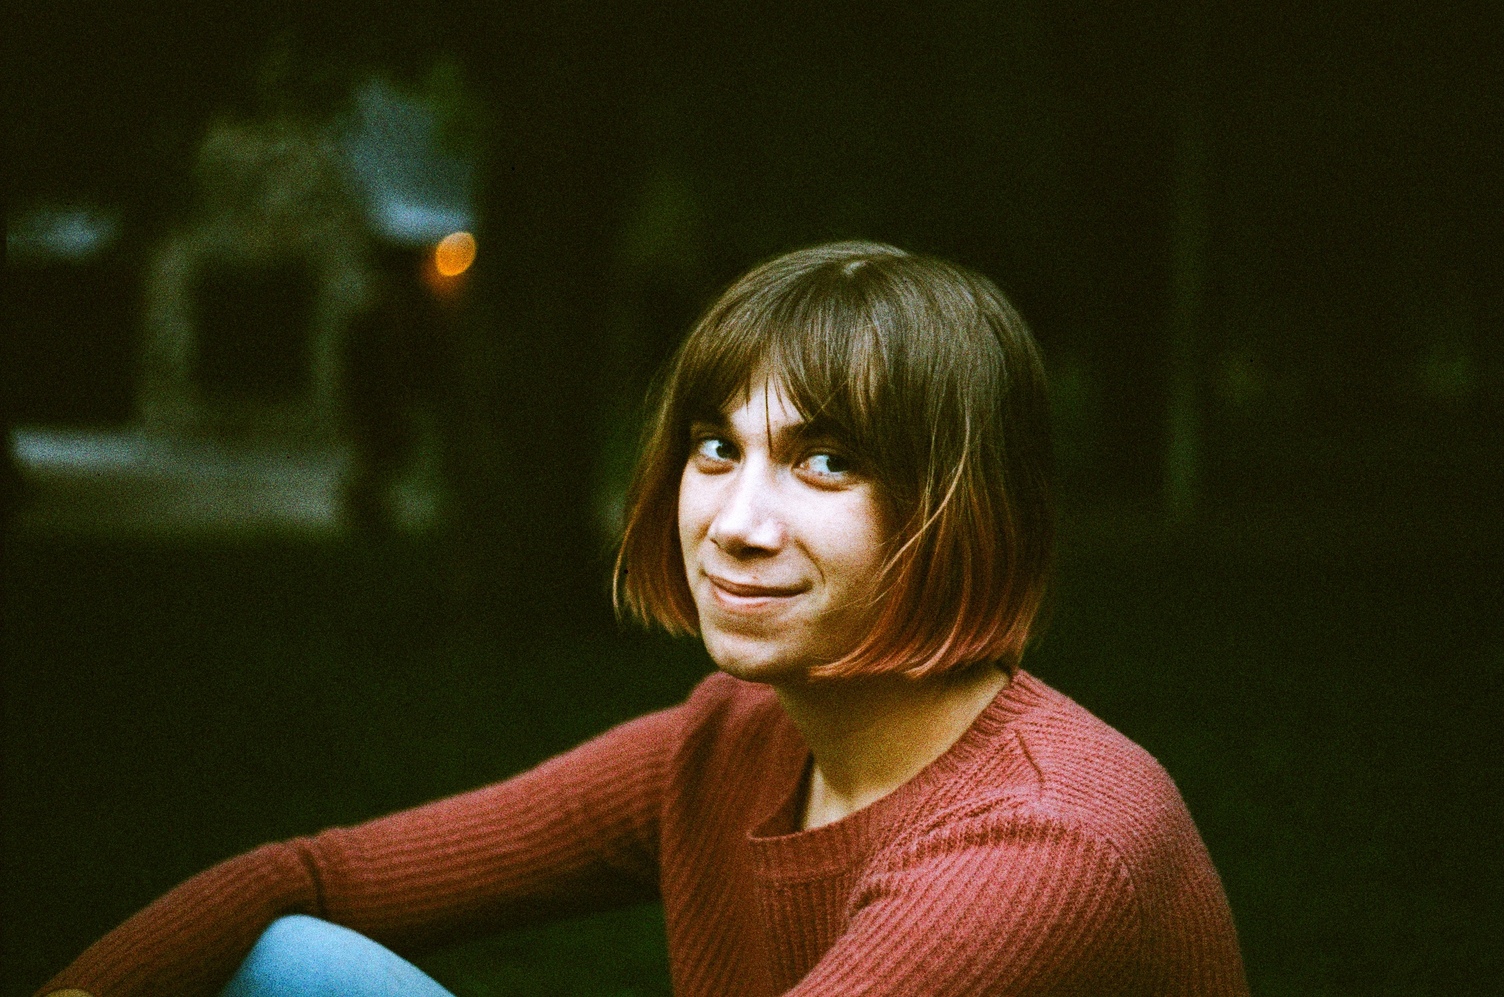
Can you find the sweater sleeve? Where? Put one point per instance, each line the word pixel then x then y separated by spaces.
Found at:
pixel 1012 905
pixel 577 833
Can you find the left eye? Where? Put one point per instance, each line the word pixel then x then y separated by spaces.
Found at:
pixel 827 464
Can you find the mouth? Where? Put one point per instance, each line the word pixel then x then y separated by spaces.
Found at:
pixel 747 596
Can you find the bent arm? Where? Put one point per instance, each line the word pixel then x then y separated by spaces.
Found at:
pixel 577 833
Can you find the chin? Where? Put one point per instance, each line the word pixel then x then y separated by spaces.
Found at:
pixel 753 660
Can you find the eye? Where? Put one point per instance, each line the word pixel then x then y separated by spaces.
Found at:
pixel 714 449
pixel 825 464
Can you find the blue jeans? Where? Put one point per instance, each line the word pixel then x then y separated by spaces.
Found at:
pixel 301 956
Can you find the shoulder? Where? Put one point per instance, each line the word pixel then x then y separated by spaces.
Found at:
pixel 1059 817
pixel 1047 767
pixel 725 721
pixel 737 759
pixel 721 692
pixel 722 706
pixel 1089 772
pixel 716 720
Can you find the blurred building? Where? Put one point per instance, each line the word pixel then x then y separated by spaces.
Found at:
pixel 278 358
pixel 250 303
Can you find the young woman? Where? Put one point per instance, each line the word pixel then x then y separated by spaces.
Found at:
pixel 846 495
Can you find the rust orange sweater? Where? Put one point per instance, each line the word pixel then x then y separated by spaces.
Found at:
pixel 1044 853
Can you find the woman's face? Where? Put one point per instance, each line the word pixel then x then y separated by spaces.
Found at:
pixel 782 541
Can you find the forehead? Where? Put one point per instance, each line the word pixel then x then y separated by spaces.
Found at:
pixel 779 373
pixel 762 405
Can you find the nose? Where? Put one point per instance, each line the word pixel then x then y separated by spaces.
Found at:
pixel 747 521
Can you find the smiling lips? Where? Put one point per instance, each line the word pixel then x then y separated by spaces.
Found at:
pixel 744 595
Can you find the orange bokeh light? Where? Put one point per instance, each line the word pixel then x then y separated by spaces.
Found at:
pixel 454 254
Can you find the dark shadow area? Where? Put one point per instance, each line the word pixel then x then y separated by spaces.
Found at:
pixel 168 706
pixel 1328 706
pixel 254 322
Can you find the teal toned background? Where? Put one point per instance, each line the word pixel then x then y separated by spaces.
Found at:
pixel 1259 246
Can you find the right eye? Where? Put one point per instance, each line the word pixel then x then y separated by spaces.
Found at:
pixel 716 449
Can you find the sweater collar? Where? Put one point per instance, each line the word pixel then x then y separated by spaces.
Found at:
pixel 781 852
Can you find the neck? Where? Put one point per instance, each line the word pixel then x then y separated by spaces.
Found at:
pixel 870 736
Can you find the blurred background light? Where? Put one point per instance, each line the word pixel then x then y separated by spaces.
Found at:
pixel 60 233
pixel 415 190
pixel 454 254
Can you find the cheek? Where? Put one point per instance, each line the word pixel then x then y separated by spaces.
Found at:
pixel 855 543
pixel 692 518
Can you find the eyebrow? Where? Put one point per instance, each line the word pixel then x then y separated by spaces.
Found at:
pixel 805 431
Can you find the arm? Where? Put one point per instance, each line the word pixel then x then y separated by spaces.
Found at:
pixel 577 833
pixel 1012 906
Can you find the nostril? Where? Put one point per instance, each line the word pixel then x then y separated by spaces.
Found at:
pixel 743 535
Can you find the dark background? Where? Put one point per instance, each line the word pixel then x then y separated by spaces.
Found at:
pixel 1259 245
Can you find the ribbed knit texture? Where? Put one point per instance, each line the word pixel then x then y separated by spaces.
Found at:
pixel 1044 853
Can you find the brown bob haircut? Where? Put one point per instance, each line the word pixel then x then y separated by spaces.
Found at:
pixel 931 379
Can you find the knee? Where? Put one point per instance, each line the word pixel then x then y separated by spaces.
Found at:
pixel 299 931
pixel 292 957
pixel 301 956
